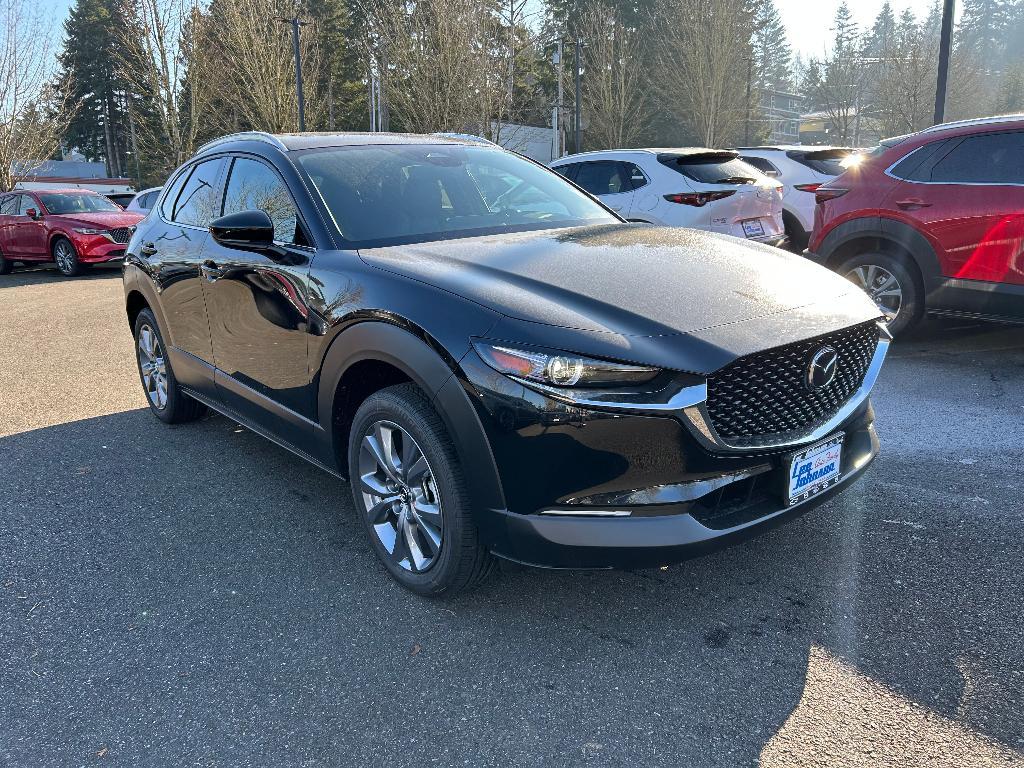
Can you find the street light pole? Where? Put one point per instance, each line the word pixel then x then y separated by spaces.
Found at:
pixel 296 23
pixel 945 42
pixel 579 62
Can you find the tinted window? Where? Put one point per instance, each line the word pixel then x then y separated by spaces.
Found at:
pixel 917 166
pixel 568 170
pixel 989 158
pixel 383 194
pixel 198 202
pixel 167 207
pixel 254 186
pixel 636 177
pixel 710 168
pixel 9 205
pixel 827 161
pixel 603 177
pixel 71 203
pixel 762 165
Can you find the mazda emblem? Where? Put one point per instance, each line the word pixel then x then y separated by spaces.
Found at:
pixel 822 368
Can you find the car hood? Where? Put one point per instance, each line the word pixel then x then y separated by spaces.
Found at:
pixel 622 284
pixel 111 220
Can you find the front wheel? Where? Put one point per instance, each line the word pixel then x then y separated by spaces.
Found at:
pixel 411 495
pixel 891 285
pixel 6 265
pixel 66 257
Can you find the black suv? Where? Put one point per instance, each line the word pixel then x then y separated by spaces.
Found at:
pixel 500 364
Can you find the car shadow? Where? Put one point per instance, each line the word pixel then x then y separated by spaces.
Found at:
pixel 166 588
pixel 47 273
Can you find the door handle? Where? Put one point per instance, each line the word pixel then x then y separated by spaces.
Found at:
pixel 912 204
pixel 211 271
pixel 147 249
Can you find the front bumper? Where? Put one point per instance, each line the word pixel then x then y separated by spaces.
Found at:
pixel 655 540
pixel 98 249
pixel 778 241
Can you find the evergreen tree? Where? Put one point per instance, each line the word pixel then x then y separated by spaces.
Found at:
pixel 772 54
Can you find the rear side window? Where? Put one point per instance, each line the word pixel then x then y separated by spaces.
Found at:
pixel 764 166
pixel 603 177
pixel 917 166
pixel 988 158
pixel 9 205
pixel 711 168
pixel 568 170
pixel 253 186
pixel 636 177
pixel 827 161
pixel 198 202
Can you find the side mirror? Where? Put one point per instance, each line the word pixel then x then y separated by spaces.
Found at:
pixel 32 213
pixel 245 230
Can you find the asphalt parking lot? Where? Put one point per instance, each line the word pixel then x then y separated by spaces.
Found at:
pixel 195 595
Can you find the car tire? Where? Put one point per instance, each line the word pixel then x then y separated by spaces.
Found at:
pixel 6 265
pixel 874 272
pixel 412 496
pixel 66 257
pixel 166 399
pixel 798 237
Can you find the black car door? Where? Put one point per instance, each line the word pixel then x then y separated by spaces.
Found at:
pixel 258 306
pixel 172 252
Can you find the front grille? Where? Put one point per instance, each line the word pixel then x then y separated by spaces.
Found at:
pixel 763 398
pixel 121 234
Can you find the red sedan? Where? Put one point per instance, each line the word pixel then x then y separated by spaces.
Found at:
pixel 71 227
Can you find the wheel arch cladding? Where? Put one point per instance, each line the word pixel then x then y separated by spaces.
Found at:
pixel 134 303
pixel 388 355
pixel 887 236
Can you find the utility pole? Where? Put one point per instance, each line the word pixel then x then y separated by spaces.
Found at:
pixel 556 117
pixel 750 76
pixel 579 62
pixel 945 42
pixel 296 23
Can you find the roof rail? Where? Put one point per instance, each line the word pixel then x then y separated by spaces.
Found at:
pixel 267 138
pixel 974 121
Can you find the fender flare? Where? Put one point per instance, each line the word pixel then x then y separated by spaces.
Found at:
pixel 887 230
pixel 141 284
pixel 421 359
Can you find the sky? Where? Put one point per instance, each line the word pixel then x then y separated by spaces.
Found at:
pixel 809 22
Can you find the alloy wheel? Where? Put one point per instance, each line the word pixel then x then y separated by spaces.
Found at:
pixel 400 496
pixel 881 285
pixel 153 367
pixel 64 256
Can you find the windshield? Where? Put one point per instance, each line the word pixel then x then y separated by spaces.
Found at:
pixel 389 194
pixel 70 202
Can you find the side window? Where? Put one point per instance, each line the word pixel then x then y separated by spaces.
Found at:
pixel 25 203
pixel 255 186
pixel 602 177
pixel 636 177
pixel 568 170
pixel 764 166
pixel 917 166
pixel 198 201
pixel 9 205
pixel 988 158
pixel 167 207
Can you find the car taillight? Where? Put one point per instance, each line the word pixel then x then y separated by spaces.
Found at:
pixel 807 187
pixel 823 194
pixel 697 199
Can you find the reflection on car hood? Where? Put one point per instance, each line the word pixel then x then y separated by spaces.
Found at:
pixel 101 219
pixel 636 281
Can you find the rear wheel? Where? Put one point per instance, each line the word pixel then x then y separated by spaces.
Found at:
pixel 66 257
pixel 411 495
pixel 166 400
pixel 798 237
pixel 6 265
pixel 896 291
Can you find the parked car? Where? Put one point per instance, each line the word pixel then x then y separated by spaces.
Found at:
pixel 932 222
pixel 801 170
pixel 688 187
pixel 544 383
pixel 144 200
pixel 71 227
pixel 121 198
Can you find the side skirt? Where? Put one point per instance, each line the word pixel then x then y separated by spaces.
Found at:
pixel 252 427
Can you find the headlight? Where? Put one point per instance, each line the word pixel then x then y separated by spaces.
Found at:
pixel 561 370
pixel 86 231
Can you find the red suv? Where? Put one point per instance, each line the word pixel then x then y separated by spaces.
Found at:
pixel 933 221
pixel 72 227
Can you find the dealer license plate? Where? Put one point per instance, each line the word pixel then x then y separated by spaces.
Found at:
pixel 814 469
pixel 753 228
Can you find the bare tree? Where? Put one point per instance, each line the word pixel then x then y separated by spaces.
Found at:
pixel 836 83
pixel 33 112
pixel 614 98
pixel 702 56
pixel 157 54
pixel 440 63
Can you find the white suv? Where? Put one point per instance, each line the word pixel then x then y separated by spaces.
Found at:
pixel 686 187
pixel 801 170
